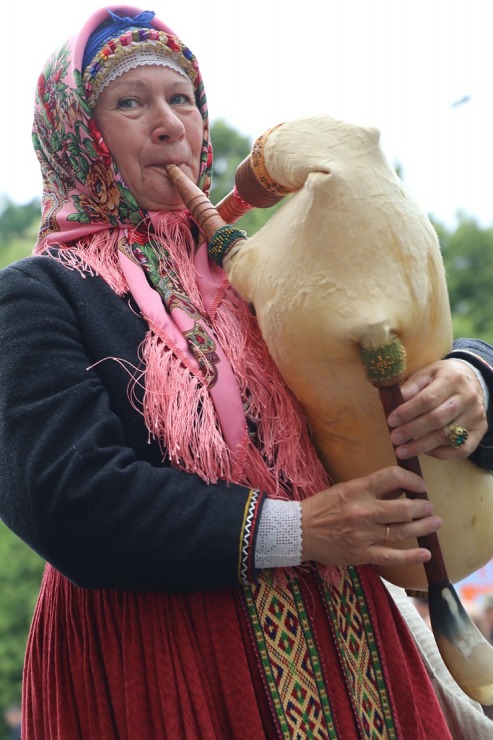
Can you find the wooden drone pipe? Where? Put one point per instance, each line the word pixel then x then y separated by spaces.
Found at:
pixel 254 187
pixel 464 649
pixel 435 569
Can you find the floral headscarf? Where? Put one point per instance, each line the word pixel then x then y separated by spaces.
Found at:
pixel 82 190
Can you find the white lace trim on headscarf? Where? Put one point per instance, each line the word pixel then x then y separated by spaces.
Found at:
pixel 144 54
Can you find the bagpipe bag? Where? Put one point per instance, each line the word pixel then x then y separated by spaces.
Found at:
pixel 350 260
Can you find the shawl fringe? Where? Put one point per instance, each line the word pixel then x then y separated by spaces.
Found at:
pixel 94 255
pixel 176 404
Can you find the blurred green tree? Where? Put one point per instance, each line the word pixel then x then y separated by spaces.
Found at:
pixel 468 257
pixel 20 576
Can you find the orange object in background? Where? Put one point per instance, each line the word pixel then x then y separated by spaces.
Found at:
pixel 477 585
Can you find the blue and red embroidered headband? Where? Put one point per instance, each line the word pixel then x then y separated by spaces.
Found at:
pixel 123 43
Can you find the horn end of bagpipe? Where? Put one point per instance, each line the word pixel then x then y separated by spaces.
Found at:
pixel 465 650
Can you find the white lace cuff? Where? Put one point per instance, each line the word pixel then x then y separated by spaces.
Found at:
pixel 279 537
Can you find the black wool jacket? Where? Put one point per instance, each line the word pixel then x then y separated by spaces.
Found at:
pixel 80 481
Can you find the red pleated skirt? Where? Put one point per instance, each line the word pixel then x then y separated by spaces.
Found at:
pixel 236 664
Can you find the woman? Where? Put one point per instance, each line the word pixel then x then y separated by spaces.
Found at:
pixel 201 578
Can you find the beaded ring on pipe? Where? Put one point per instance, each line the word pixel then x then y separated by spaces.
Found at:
pixel 384 365
pixel 223 241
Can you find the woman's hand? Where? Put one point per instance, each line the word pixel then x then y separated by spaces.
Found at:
pixel 363 520
pixel 445 393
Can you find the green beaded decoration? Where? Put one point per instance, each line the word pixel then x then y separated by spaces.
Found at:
pixel 384 364
pixel 223 241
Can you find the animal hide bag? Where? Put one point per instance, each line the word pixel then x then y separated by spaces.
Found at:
pixel 349 261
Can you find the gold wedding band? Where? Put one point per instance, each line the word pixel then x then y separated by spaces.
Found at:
pixel 387 535
pixel 457 435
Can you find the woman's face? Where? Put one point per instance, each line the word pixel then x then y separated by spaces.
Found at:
pixel 148 119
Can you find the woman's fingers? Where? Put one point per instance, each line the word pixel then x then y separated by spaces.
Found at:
pixel 367 519
pixel 443 414
pixel 398 532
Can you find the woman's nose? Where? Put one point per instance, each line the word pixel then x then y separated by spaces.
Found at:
pixel 166 125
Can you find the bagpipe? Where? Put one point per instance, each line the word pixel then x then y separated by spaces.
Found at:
pixel 349 289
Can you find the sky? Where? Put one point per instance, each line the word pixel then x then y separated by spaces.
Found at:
pixel 421 71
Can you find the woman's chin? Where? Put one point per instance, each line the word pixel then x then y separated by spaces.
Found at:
pixel 170 204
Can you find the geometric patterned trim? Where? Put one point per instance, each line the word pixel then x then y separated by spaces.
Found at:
pixel 314 659
pixel 258 632
pixel 289 659
pixel 297 686
pixel 245 561
pixel 359 655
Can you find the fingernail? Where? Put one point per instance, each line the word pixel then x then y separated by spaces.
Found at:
pixel 401 452
pixel 397 438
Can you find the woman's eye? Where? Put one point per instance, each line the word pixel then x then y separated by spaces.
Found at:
pixel 181 99
pixel 127 103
